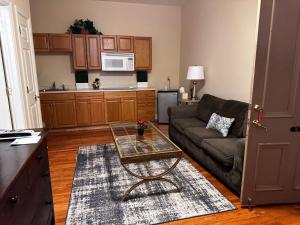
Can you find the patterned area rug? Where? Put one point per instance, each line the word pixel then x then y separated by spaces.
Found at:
pixel 100 182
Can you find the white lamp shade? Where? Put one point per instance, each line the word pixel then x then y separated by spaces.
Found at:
pixel 195 73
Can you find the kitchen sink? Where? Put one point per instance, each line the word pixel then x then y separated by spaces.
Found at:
pixel 53 89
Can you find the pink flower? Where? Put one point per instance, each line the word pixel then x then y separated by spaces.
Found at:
pixel 142 123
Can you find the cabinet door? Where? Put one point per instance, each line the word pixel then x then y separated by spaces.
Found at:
pixel 48 114
pixel 60 42
pixel 65 113
pixel 97 111
pixel 41 42
pixel 128 109
pixel 83 112
pixel 143 53
pixel 113 110
pixel 125 43
pixel 79 52
pixel 146 105
pixel 109 43
pixel 93 52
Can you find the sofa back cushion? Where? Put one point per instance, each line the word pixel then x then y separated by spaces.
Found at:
pixel 237 110
pixel 207 106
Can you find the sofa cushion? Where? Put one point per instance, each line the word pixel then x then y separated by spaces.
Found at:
pixel 181 124
pixel 197 134
pixel 221 149
pixel 237 110
pixel 208 105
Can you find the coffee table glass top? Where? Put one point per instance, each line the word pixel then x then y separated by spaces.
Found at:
pixel 134 148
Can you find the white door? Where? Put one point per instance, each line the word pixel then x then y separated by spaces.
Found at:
pixel 5 121
pixel 29 72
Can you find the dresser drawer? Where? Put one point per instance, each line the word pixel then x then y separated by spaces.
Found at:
pixel 13 201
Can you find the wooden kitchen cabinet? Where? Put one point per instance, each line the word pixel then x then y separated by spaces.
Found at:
pixel 90 109
pixel 120 106
pixel 60 42
pixel 93 52
pixel 146 105
pixel 86 52
pixel 128 109
pixel 41 42
pixel 108 43
pixel 125 43
pixel 48 114
pixel 79 52
pixel 58 110
pixel 143 53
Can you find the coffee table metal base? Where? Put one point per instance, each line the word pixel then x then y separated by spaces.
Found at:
pixel 144 179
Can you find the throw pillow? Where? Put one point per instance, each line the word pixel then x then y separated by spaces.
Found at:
pixel 220 123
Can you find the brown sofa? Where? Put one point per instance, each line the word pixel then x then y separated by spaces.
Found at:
pixel 222 156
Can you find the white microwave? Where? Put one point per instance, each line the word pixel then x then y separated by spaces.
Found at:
pixel 117 61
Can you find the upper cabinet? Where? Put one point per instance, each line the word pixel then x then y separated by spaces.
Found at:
pixel 86 52
pixel 60 42
pixel 125 43
pixel 79 52
pixel 143 53
pixel 86 49
pixel 41 43
pixel 52 42
pixel 93 52
pixel 109 43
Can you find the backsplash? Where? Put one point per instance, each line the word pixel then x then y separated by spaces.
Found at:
pixel 63 73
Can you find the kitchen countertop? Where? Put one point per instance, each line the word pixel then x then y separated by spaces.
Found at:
pixel 98 90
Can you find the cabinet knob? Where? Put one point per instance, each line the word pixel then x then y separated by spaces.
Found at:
pixel 39 157
pixel 48 202
pixel 14 199
pixel 46 174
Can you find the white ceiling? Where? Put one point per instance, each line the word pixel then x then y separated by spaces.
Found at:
pixel 153 2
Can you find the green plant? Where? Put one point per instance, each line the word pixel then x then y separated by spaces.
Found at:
pixel 81 26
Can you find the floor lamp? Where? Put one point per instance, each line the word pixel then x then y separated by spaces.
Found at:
pixel 195 73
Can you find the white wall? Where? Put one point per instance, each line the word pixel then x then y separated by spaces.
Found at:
pixel 221 36
pixel 162 23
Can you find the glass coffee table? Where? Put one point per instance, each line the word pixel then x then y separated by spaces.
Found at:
pixel 153 145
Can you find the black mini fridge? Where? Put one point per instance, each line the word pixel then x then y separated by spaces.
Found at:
pixel 165 99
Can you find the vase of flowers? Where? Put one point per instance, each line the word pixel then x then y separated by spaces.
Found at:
pixel 96 84
pixel 142 124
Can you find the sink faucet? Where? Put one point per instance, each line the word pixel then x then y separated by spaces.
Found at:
pixel 63 87
pixel 53 85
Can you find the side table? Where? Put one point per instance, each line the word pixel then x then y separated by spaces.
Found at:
pixel 188 101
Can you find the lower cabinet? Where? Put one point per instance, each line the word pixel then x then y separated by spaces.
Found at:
pixel 58 110
pixel 90 109
pixel 63 110
pixel 120 106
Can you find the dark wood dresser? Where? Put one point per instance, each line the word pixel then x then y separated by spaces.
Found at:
pixel 25 187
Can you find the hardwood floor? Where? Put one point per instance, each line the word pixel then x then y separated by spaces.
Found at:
pixel 63 148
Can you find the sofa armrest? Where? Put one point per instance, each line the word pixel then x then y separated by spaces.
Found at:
pixel 238 158
pixel 182 111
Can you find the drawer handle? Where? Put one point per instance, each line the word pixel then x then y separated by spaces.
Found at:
pixel 46 174
pixel 14 199
pixel 39 157
pixel 48 202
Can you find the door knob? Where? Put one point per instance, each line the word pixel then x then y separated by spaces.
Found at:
pixel 295 129
pixel 259 124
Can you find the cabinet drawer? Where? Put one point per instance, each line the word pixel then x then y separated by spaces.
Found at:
pixel 12 203
pixel 145 94
pixel 145 104
pixel 56 96
pixel 83 95
pixel 120 94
